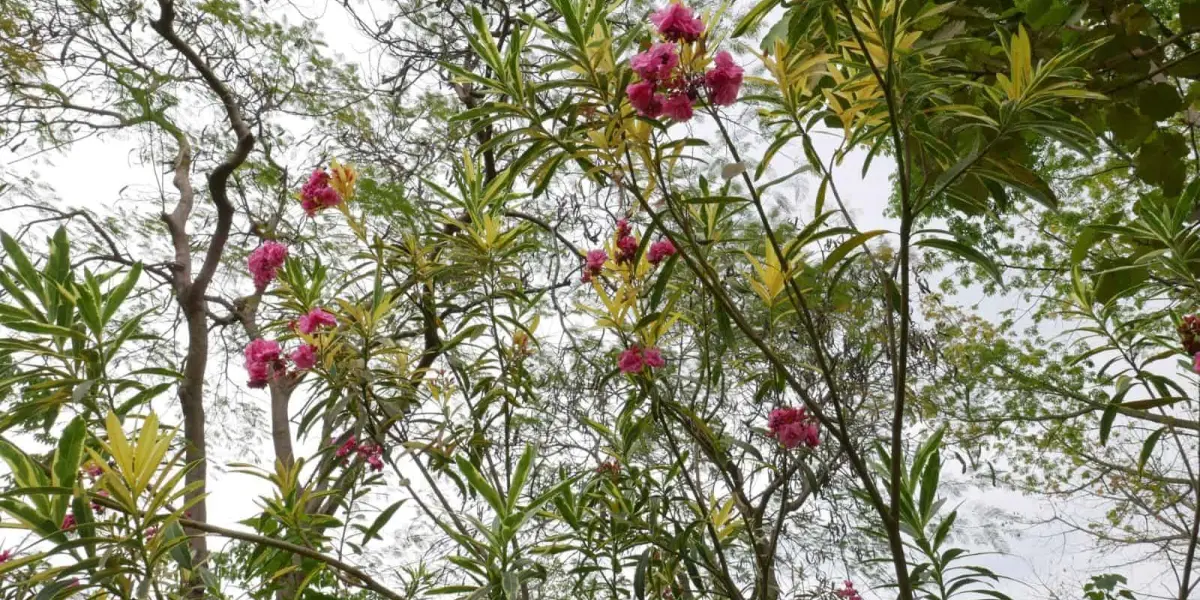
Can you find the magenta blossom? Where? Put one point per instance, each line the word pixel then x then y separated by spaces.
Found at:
pixel 373 454
pixel 350 445
pixel 678 107
pixel 631 361
pixel 594 264
pixel 676 22
pixel 623 228
pixel 848 592
pixel 627 248
pixel 723 80
pixel 314 320
pixel 793 427
pixel 68 522
pixel 644 100
pixel 5 556
pixel 654 358
pixel 656 63
pixel 265 261
pixel 261 355
pixel 305 357
pixel 660 251
pixel 317 194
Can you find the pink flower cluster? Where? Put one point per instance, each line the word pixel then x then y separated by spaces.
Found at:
pixel 660 251
pixel 627 245
pixel 793 427
pixel 848 592
pixel 368 451
pixel 610 467
pixel 264 358
pixel 68 522
pixel 594 264
pixel 265 262
pixel 635 359
pixel 5 556
pixel 317 194
pixel 669 88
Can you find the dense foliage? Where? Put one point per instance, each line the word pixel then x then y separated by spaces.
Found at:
pixel 569 298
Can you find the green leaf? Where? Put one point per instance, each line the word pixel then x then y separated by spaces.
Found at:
pixel 521 475
pixel 639 575
pixel 69 453
pixel 752 18
pixel 119 293
pixel 381 521
pixel 1148 448
pixel 1106 421
pixel 25 271
pixel 510 583
pixel 966 253
pixel 848 246
pixel 480 485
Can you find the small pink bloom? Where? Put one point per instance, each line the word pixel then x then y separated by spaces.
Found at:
pixel 623 228
pixel 5 556
pixel 350 445
pixel 678 107
pixel 150 532
pixel 654 358
pixel 317 194
pixel 596 260
pixel 376 462
pixel 848 592
pixel 305 357
pixel 93 470
pixel 660 250
pixel 627 248
pixel 630 360
pixel 656 63
pixel 68 522
pixel 793 427
pixel 316 319
pixel 675 22
pixel 260 374
pixel 644 100
pixel 262 350
pixel 265 261
pixel 723 80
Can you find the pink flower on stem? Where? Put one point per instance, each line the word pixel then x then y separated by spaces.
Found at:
pixel 627 248
pixel 68 522
pixel 265 261
pixel 317 194
pixel 656 63
pixel 793 427
pixel 373 454
pixel 261 356
pixel 93 470
pixel 305 357
pixel 660 250
pixel 623 228
pixel 644 100
pixel 5 556
pixel 594 264
pixel 723 80
pixel 676 22
pixel 350 445
pixel 150 532
pixel 678 107
pixel 630 361
pixel 848 592
pixel 314 320
pixel 654 358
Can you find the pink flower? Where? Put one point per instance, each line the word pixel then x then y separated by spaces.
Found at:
pixel 265 261
pixel 376 462
pixel 594 264
pixel 261 355
pixel 305 357
pixel 793 427
pixel 93 470
pixel 848 592
pixel 150 532
pixel 644 100
pixel 350 445
pixel 660 250
pixel 5 556
pixel 623 228
pixel 627 248
pixel 723 80
pixel 315 319
pixel 630 360
pixel 675 22
pixel 656 63
pixel 373 454
pixel 68 522
pixel 678 107
pixel 654 358
pixel 317 194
